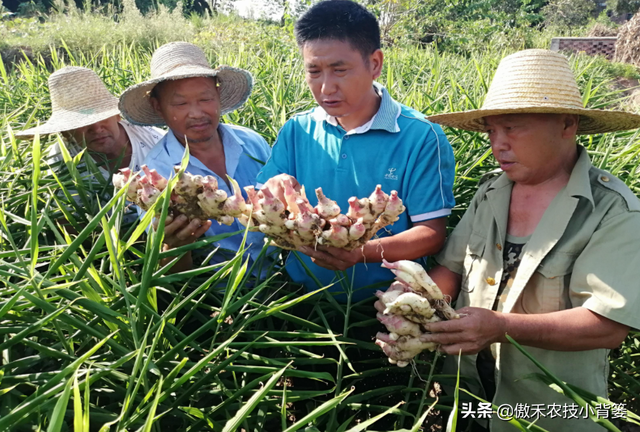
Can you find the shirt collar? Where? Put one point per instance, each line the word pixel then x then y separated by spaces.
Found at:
pixel 385 119
pixel 233 148
pixel 579 182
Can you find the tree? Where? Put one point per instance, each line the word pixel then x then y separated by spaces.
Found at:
pixel 567 14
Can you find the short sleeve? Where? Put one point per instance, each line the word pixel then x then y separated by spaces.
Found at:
pixel 281 159
pixel 606 274
pixel 455 248
pixel 430 185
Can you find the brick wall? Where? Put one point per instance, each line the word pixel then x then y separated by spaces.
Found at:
pixel 605 46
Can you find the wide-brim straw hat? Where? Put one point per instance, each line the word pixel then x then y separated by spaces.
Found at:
pixel 537 81
pixel 79 98
pixel 180 60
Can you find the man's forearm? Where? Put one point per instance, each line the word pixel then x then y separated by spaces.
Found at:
pixel 574 329
pixel 416 242
pixel 448 281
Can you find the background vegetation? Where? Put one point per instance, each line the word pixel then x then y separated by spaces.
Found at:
pixel 94 335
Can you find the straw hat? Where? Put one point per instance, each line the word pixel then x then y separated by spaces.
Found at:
pixel 179 60
pixel 537 81
pixel 79 98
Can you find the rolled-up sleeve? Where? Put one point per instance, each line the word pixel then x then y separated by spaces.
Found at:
pixel 606 275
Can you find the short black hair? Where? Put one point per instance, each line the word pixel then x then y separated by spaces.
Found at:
pixel 342 20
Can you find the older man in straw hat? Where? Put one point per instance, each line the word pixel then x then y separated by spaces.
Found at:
pixel 547 252
pixel 87 115
pixel 187 95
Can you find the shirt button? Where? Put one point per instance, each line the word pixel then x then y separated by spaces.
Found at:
pixel 491 281
pixel 604 179
pixel 499 246
pixel 346 137
pixel 344 156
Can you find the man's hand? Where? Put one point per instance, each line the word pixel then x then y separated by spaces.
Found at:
pixel 476 329
pixel 179 231
pixel 333 258
pixel 274 184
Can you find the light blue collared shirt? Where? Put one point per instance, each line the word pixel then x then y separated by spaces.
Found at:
pixel 243 148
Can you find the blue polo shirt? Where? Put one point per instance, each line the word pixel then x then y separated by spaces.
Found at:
pixel 241 147
pixel 398 149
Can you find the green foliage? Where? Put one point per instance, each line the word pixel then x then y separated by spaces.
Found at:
pixel 618 70
pixel 93 329
pixel 621 7
pixel 567 14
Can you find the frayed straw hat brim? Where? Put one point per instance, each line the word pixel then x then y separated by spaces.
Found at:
pixel 63 121
pixel 235 88
pixel 79 98
pixel 537 81
pixel 591 121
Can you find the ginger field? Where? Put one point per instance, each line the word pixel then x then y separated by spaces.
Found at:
pixel 96 335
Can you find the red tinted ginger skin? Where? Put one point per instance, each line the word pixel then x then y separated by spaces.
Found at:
pixel 308 224
pixel 120 180
pixel 357 230
pixel 378 200
pixel 273 209
pixel 399 325
pixel 326 208
pixel 290 197
pixel 337 236
pixel 156 179
pixel 235 205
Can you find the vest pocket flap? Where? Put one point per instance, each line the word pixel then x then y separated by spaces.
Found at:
pixel 472 260
pixel 557 264
pixel 476 245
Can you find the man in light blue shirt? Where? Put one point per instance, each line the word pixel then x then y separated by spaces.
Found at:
pixel 242 147
pixel 359 137
pixel 187 95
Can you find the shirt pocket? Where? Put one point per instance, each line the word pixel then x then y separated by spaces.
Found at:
pixel 472 262
pixel 547 289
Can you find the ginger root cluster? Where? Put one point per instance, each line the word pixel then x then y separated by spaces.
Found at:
pixel 410 302
pixel 290 223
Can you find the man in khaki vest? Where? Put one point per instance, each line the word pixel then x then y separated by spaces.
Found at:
pixel 547 252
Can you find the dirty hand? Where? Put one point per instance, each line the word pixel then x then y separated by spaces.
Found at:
pixel 476 329
pixel 179 231
pixel 333 258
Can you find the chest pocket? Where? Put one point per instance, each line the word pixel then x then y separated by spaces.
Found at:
pixel 548 287
pixel 472 262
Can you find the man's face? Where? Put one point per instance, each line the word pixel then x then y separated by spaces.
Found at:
pixel 102 137
pixel 531 148
pixel 338 75
pixel 190 107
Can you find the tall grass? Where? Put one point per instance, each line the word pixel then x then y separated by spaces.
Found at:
pixel 95 333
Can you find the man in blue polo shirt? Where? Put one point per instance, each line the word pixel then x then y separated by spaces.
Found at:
pixel 187 95
pixel 356 138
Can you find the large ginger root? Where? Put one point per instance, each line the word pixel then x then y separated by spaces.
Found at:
pixel 412 301
pixel 290 224
pixel 194 196
pixel 294 223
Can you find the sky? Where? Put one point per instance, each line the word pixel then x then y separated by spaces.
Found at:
pixel 246 7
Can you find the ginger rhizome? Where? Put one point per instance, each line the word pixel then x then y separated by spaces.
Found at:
pixel 290 224
pixel 412 301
